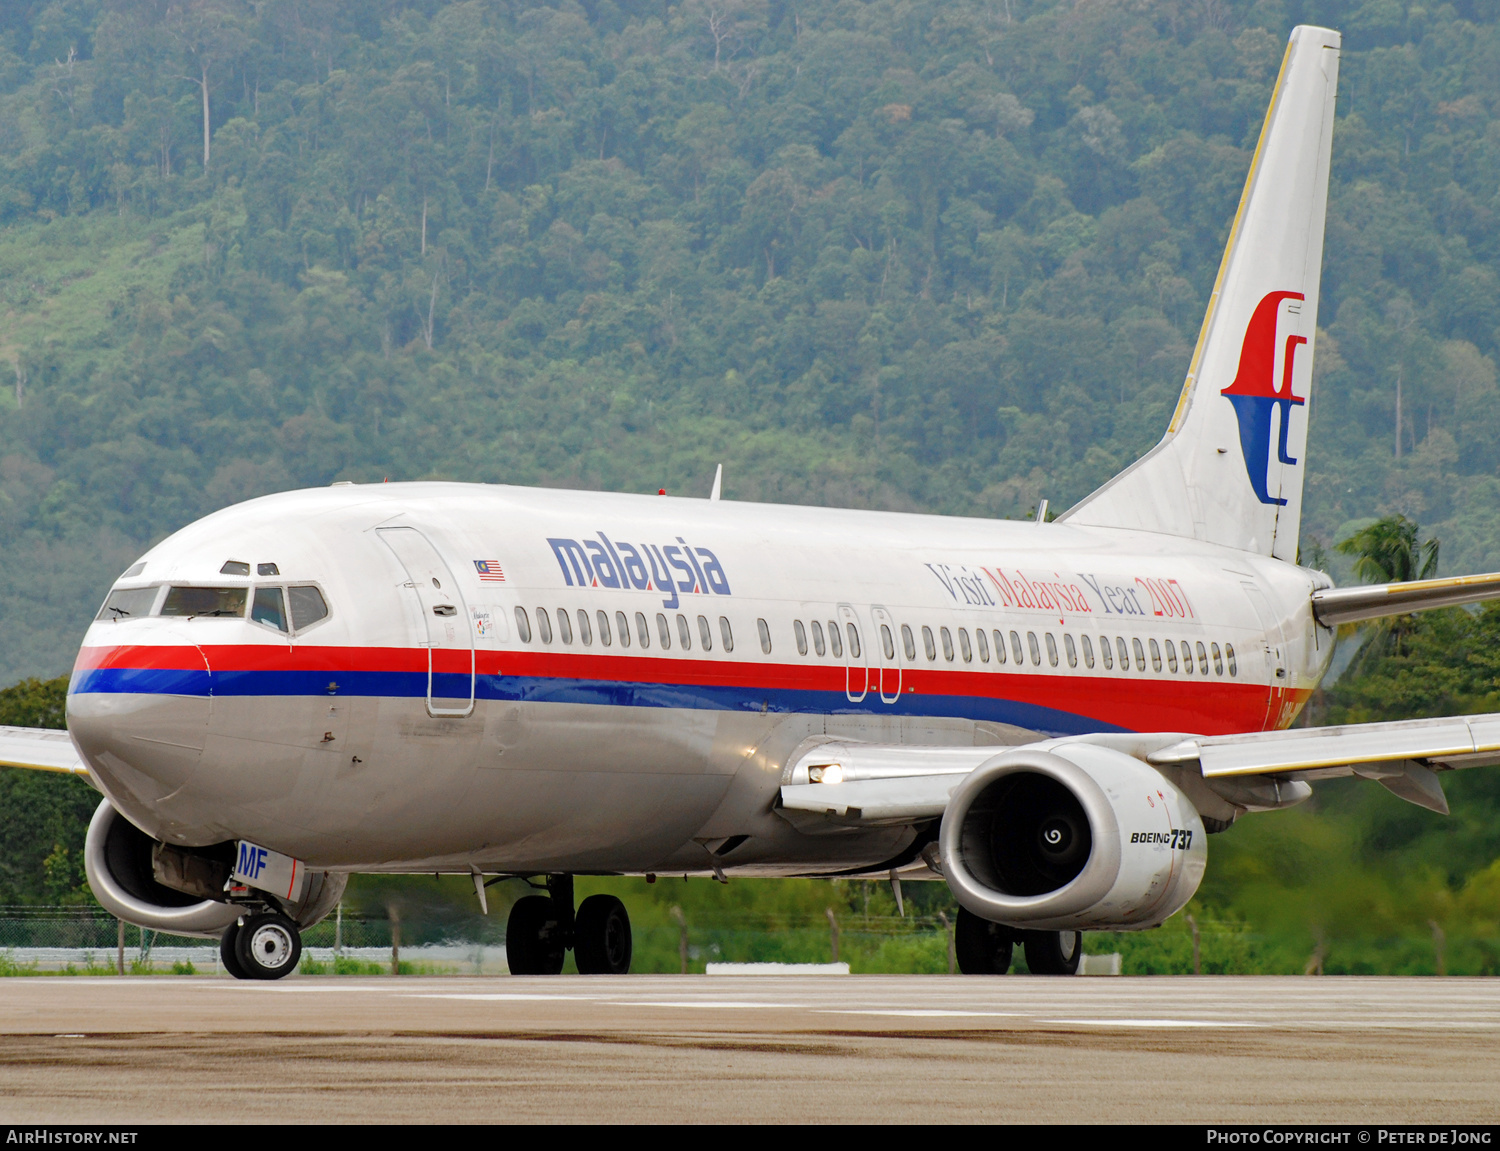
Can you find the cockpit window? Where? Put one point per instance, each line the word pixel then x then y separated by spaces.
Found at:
pixel 235 567
pixel 128 603
pixel 267 608
pixel 308 606
pixel 205 601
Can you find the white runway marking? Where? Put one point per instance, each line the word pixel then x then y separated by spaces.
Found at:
pixel 1145 1023
pixel 710 1003
pixel 496 997
pixel 932 1013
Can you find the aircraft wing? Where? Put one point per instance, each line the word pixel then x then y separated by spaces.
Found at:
pixel 885 785
pixel 41 749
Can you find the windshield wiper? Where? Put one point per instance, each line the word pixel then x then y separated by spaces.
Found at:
pixel 119 610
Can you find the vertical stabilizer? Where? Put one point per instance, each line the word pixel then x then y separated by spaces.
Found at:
pixel 1229 470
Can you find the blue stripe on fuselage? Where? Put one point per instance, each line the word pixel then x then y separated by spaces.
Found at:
pixel 608 693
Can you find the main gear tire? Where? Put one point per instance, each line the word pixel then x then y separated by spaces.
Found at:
pixel 601 937
pixel 1053 952
pixel 534 943
pixel 981 947
pixel 268 945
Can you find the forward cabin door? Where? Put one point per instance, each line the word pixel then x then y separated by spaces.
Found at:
pixel 856 655
pixel 1270 658
pixel 449 637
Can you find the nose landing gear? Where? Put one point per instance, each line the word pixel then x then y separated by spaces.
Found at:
pixel 542 927
pixel 266 945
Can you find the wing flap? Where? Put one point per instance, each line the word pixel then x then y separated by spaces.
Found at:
pixel 40 749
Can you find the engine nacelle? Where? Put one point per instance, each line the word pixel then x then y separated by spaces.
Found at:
pixel 126 867
pixel 1071 837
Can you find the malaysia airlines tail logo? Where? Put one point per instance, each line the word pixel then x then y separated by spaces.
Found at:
pixel 1255 396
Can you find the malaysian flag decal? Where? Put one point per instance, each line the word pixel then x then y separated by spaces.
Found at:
pixel 489 571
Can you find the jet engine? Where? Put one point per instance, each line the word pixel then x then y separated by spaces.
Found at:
pixel 1071 838
pixel 162 887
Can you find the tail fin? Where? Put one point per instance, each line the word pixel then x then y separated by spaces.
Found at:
pixel 1229 470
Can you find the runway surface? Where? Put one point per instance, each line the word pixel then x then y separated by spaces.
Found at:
pixel 912 1049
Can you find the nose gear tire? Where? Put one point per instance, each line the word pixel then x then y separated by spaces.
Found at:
pixel 227 955
pixel 268 946
pixel 601 937
pixel 981 947
pixel 1053 952
pixel 534 943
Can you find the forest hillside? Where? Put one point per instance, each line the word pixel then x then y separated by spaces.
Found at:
pixel 927 254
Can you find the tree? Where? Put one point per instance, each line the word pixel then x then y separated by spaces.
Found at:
pixel 1388 552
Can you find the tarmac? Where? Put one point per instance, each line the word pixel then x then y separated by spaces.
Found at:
pixel 738 1049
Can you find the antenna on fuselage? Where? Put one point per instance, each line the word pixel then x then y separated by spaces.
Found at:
pixel 1041 512
pixel 718 484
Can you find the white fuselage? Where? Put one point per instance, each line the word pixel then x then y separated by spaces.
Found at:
pixel 441 716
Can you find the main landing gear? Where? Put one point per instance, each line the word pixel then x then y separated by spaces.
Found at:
pixel 263 945
pixel 985 948
pixel 542 927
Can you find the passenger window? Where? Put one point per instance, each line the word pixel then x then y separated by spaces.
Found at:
pixel 1187 658
pixel 909 642
pixel 684 635
pixel 1202 659
pixel 663 632
pixel 1070 648
pixel 585 632
pixel 1140 654
pixel 205 601
pixel 818 645
pixel 604 636
pixel 999 647
pixel 705 636
pixel 947 643
pixel 565 625
pixel 853 641
pixel 1155 656
pixel 1051 650
pixel 642 629
pixel 963 645
pixel 1015 648
pixel 1036 651
pixel 267 608
pixel 984 645
pixel 927 642
pixel 544 624
pixel 887 641
pixel 1229 655
pixel 523 625
pixel 1088 652
pixel 1107 651
pixel 801 634
pixel 128 603
pixel 765 636
pixel 1171 657
pixel 1218 660
pixel 1124 653
pixel 728 636
pixel 834 640
pixel 307 606
pixel 622 626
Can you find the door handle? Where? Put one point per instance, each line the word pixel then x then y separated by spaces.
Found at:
pixel 444 609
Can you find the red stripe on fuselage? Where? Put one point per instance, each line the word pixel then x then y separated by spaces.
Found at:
pixel 1204 706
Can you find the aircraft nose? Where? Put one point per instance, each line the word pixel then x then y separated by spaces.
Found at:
pixel 140 716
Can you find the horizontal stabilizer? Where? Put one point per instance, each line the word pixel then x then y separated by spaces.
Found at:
pixel 1334 606
pixel 40 749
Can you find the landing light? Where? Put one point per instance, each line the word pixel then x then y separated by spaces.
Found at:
pixel 826 773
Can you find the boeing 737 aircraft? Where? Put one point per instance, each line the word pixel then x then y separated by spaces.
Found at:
pixel 509 682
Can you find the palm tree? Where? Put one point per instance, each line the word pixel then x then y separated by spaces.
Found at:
pixel 1387 552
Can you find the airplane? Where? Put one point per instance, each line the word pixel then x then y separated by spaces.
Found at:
pixel 1051 717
